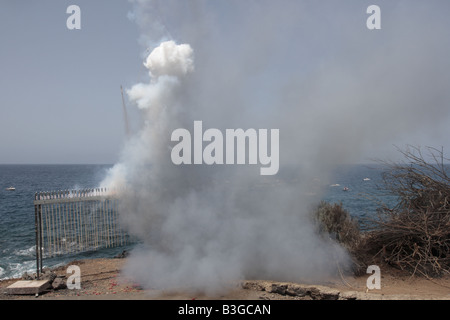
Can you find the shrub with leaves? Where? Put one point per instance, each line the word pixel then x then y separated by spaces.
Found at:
pixel 335 221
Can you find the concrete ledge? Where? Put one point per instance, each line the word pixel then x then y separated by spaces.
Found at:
pixel 28 287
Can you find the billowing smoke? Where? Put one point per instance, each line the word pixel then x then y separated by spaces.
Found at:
pixel 333 93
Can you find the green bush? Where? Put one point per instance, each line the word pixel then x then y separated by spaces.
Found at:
pixel 333 220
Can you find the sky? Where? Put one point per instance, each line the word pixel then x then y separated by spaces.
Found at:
pixel 60 89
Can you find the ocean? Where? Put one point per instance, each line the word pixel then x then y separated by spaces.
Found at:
pixel 17 226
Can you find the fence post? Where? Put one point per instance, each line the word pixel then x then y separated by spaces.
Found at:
pixel 37 227
pixel 41 231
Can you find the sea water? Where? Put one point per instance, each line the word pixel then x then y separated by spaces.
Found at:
pixel 17 218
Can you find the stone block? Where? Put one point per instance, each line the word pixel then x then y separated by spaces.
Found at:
pixel 28 287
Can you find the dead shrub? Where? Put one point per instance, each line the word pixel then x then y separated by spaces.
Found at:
pixel 414 235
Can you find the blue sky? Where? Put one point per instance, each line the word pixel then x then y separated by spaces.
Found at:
pixel 60 89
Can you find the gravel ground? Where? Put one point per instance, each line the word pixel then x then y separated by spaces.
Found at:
pixel 102 279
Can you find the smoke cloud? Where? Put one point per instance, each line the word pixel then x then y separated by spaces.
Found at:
pixel 333 88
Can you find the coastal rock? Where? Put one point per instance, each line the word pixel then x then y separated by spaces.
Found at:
pixel 49 275
pixel 27 276
pixel 58 284
pixel 295 290
pixel 122 255
pixel 277 288
pixel 325 293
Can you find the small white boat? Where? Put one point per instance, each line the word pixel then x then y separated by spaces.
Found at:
pixel 366 179
pixel 11 189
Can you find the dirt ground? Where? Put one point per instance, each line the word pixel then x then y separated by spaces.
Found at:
pixel 102 279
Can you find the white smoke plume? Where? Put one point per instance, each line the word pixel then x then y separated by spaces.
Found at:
pixel 332 92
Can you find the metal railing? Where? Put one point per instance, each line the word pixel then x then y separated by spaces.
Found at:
pixel 74 221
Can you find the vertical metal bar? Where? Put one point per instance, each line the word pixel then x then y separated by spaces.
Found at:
pixel 102 208
pixel 91 223
pixel 114 214
pixel 59 214
pixel 40 237
pixel 52 228
pixel 47 224
pixel 83 220
pixel 77 208
pixel 119 232
pixel 56 223
pixel 37 236
pixel 108 223
pixel 89 217
pixel 96 221
pixel 80 225
pixel 86 222
pixel 80 230
pixel 75 222
pixel 70 222
pixel 65 219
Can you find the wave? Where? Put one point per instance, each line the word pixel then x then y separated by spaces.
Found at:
pixel 30 252
pixel 15 270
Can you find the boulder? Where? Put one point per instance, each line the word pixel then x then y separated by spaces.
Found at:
pixel 58 284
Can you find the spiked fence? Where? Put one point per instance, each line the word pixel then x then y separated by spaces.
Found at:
pixel 74 221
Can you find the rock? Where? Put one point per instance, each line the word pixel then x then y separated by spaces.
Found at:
pixel 303 291
pixel 122 255
pixel 297 290
pixel 349 295
pixel 58 284
pixel 277 288
pixel 26 276
pixel 49 275
pixel 250 285
pixel 326 293
pixel 46 270
pixel 314 293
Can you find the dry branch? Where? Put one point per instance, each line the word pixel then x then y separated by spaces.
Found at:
pixel 414 235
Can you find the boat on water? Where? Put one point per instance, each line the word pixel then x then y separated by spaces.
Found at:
pixel 345 189
pixel 366 179
pixel 10 189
